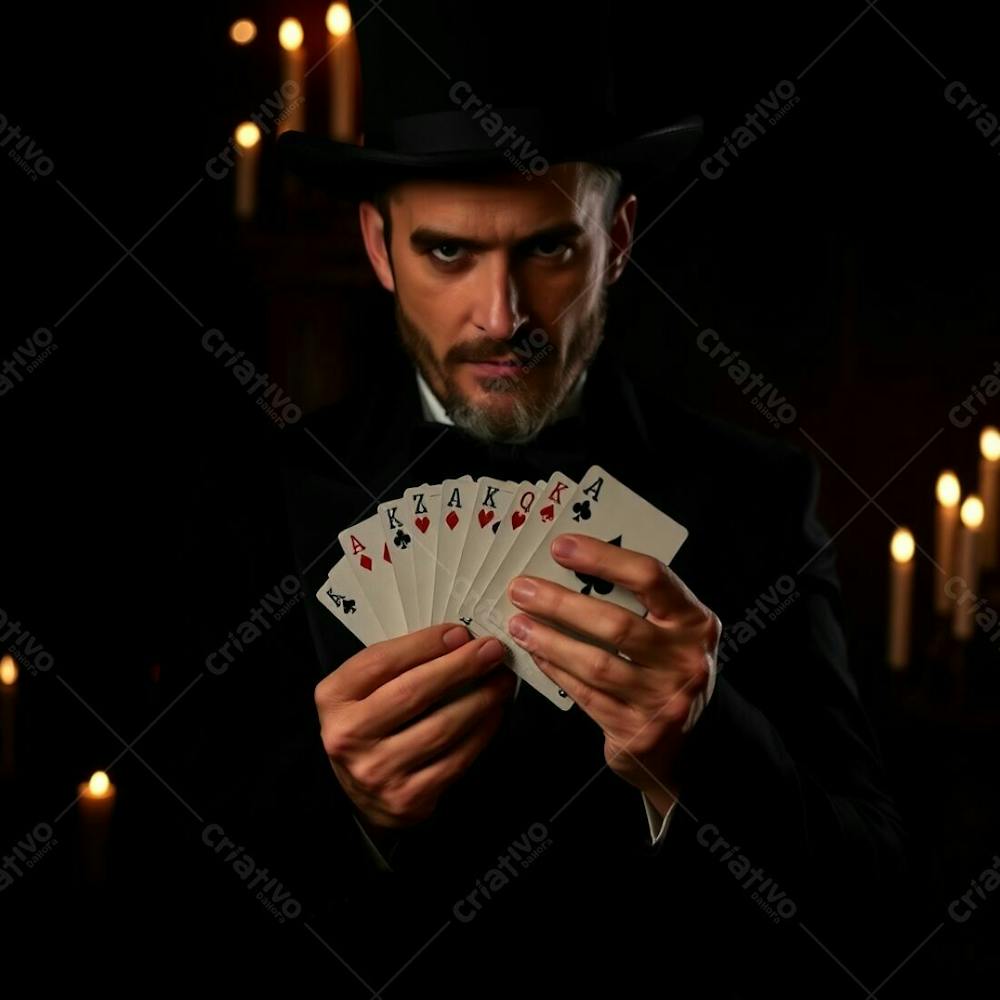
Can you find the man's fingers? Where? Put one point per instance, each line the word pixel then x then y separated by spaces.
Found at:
pixel 368 670
pixel 439 731
pixel 413 691
pixel 657 586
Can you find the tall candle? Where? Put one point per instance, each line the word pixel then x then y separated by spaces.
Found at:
pixel 8 712
pixel 344 61
pixel 247 139
pixel 967 566
pixel 97 803
pixel 900 598
pixel 293 75
pixel 948 493
pixel 989 490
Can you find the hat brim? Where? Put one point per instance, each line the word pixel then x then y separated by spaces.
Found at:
pixel 356 171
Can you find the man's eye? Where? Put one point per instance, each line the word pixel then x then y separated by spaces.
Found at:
pixel 440 252
pixel 550 248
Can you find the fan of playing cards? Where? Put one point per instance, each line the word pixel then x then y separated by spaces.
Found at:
pixel 447 553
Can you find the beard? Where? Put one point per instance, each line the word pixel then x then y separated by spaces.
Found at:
pixel 529 406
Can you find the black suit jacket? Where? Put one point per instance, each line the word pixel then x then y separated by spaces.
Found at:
pixel 782 767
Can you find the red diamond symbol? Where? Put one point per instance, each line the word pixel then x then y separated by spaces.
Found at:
pixel 366 563
pixel 451 520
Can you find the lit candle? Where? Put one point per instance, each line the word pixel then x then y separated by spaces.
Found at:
pixel 344 63
pixel 945 522
pixel 97 802
pixel 247 139
pixel 967 566
pixel 243 31
pixel 900 598
pixel 8 705
pixel 293 74
pixel 989 490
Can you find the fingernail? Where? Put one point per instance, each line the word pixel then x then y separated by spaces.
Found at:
pixel 518 627
pixel 490 651
pixel 455 637
pixel 563 548
pixel 522 590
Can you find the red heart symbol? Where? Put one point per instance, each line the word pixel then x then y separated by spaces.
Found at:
pixel 451 520
pixel 485 516
pixel 517 519
pixel 548 513
pixel 423 523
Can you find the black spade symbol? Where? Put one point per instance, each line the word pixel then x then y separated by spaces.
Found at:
pixel 581 510
pixel 401 540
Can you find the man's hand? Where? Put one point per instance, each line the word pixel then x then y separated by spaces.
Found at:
pixel 395 728
pixel 641 703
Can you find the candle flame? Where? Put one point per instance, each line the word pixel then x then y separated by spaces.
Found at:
pixel 972 511
pixel 989 443
pixel 247 135
pixel 99 784
pixel 902 545
pixel 338 19
pixel 243 31
pixel 290 33
pixel 948 490
pixel 8 671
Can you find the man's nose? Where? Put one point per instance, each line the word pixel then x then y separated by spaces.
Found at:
pixel 498 312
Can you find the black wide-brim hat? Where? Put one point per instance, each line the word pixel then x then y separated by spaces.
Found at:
pixel 452 88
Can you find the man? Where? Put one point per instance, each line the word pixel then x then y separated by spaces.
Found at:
pixel 706 816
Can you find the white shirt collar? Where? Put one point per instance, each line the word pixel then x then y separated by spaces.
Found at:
pixel 434 411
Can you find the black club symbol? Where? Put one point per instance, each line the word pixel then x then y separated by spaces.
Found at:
pixel 401 540
pixel 581 510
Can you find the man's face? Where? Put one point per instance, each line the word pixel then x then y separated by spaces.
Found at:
pixel 500 289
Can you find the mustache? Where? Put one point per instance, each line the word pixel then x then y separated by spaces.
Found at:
pixel 515 350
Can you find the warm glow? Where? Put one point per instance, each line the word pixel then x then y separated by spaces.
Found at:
pixel 99 784
pixel 247 135
pixel 8 670
pixel 972 511
pixel 338 19
pixel 290 33
pixel 989 443
pixel 902 545
pixel 948 490
pixel 243 31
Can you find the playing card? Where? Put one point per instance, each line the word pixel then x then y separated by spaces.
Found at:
pixel 398 536
pixel 454 519
pixel 555 496
pixel 425 502
pixel 512 522
pixel 367 553
pixel 602 508
pixel 344 598
pixel 493 496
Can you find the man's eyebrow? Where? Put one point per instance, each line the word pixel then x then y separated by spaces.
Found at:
pixel 424 238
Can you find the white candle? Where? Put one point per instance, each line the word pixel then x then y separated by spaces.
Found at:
pixel 900 598
pixel 293 75
pixel 247 139
pixel 8 712
pixel 344 61
pixel 97 803
pixel 967 566
pixel 989 490
pixel 945 523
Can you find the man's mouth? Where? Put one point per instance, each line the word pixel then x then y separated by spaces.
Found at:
pixel 496 365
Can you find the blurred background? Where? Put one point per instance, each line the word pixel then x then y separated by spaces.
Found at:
pixel 849 253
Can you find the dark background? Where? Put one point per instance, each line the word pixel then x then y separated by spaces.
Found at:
pixel 850 254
